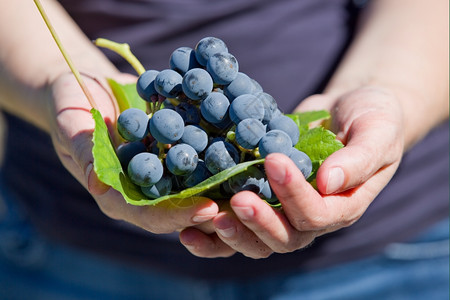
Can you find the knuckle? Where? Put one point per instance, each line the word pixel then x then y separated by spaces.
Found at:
pixel 310 223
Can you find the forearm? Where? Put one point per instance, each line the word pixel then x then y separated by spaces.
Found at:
pixel 402 46
pixel 30 59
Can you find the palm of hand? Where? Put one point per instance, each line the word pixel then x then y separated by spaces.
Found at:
pixel 369 122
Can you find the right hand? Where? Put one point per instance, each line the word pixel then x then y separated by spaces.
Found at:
pixel 71 128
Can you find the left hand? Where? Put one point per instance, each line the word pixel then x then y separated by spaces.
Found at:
pixel 369 121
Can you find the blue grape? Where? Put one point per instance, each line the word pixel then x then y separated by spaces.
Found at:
pixel 132 124
pixel 145 84
pixel 249 132
pixel 167 104
pixel 168 83
pixel 268 194
pixel 207 47
pixel 166 126
pixel 225 190
pixel 162 188
pixel 242 84
pixel 225 124
pixel 223 67
pixel 145 169
pixel 181 159
pixel 197 84
pixel 251 179
pixel 286 124
pixel 302 161
pixel 196 137
pixel 277 113
pixel 183 59
pixel 200 174
pixel 220 156
pixel 215 107
pixel 270 106
pixel 256 86
pixel 275 141
pixel 246 106
pixel 189 112
pixel 127 151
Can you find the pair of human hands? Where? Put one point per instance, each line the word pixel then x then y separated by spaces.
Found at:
pixel 368 120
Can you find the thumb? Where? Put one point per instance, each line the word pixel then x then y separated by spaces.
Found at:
pixel 368 150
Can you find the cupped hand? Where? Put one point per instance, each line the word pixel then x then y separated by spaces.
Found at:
pixel 369 121
pixel 71 130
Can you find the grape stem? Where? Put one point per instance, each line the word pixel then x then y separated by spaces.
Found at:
pixel 66 56
pixel 123 49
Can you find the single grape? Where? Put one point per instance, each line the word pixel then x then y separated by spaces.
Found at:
pixel 246 106
pixel 225 124
pixel 270 106
pixel 166 126
pixel 207 47
pixel 223 67
pixel 220 156
pixel 162 188
pixel 268 194
pixel 181 159
pixel 242 84
pixel 189 112
pixel 125 152
pixel 302 161
pixel 132 124
pixel 196 137
pixel 225 190
pixel 249 132
pixel 215 107
pixel 251 179
pixel 145 169
pixel 286 124
pixel 200 174
pixel 256 86
pixel 145 84
pixel 183 59
pixel 167 104
pixel 275 141
pixel 168 83
pixel 197 84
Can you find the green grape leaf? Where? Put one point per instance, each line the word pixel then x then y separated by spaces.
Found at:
pixel 303 119
pixel 318 143
pixel 109 170
pixel 126 95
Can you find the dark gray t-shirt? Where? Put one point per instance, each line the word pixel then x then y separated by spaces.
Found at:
pixel 290 48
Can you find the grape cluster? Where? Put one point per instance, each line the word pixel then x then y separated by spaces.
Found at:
pixel 203 116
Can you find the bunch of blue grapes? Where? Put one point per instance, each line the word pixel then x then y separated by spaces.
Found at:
pixel 203 116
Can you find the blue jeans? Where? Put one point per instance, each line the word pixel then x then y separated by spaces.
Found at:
pixel 33 268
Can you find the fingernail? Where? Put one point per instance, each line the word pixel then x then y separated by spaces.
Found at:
pixel 95 186
pixel 244 213
pixel 202 218
pixel 205 214
pixel 276 173
pixel 335 180
pixel 225 227
pixel 227 232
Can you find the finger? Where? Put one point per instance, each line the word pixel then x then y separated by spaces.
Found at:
pixel 238 237
pixel 302 204
pixel 164 217
pixel 204 245
pixel 367 151
pixel 269 225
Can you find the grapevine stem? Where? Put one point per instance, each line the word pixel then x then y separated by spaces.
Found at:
pixel 65 55
pixel 123 49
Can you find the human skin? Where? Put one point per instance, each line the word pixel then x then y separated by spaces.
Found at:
pixel 381 99
pixel 390 90
pixel 36 85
